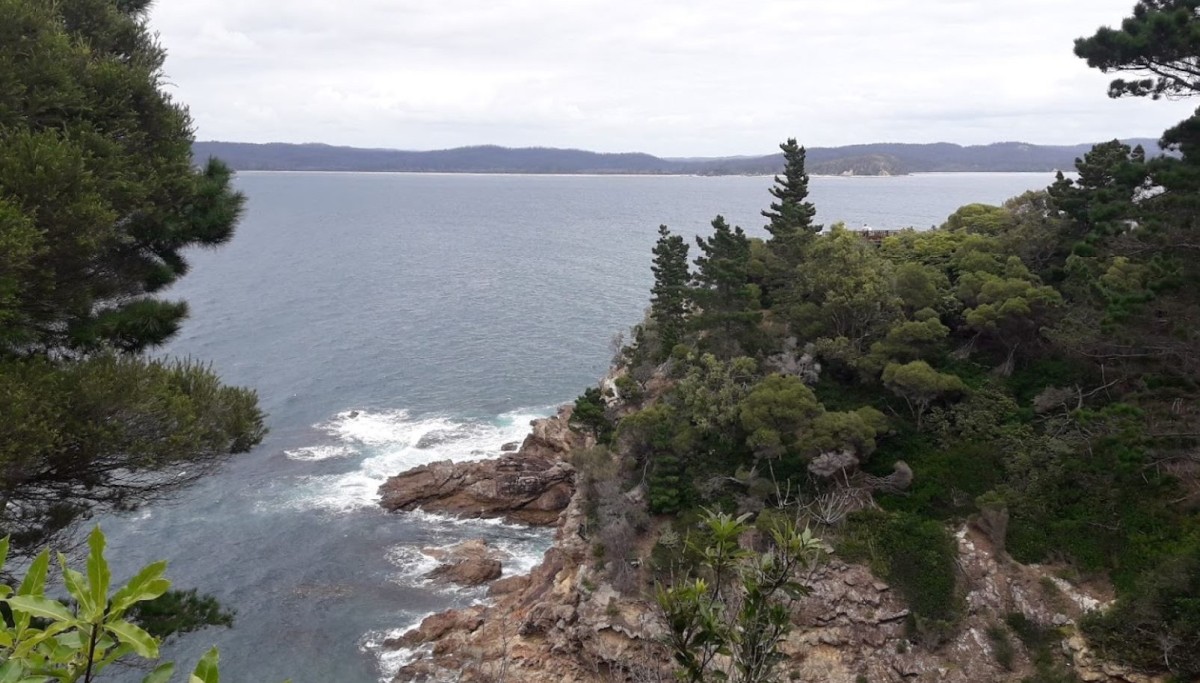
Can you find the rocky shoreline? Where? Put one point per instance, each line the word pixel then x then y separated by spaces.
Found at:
pixel 565 623
pixel 532 485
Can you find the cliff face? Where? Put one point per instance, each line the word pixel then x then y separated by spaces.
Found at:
pixel 565 623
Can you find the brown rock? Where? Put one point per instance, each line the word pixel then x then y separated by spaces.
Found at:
pixel 470 563
pixel 532 485
pixel 508 585
pixel 472 572
pixel 436 626
pixel 552 437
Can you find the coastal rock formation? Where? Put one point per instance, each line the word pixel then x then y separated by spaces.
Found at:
pixel 531 486
pixel 540 630
pixel 470 563
pixel 566 623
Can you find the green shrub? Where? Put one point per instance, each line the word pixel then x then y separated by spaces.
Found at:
pixel 1155 626
pixel 1002 647
pixel 950 479
pixel 590 414
pixel 917 556
pixel 629 389
pixel 42 639
pixel 1040 642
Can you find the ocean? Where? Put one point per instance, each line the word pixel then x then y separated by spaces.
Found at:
pixel 389 320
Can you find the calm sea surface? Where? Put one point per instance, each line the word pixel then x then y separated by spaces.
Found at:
pixel 448 311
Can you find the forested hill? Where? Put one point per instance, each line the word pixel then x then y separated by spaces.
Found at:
pixel 869 159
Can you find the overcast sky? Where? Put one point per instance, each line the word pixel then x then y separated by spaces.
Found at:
pixel 669 77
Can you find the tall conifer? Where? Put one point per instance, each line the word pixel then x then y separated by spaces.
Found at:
pixel 791 217
pixel 728 299
pixel 669 300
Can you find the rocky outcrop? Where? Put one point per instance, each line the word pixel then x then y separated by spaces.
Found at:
pixel 470 563
pixel 532 486
pixel 565 623
pixel 549 628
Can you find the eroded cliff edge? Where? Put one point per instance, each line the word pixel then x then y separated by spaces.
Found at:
pixel 566 622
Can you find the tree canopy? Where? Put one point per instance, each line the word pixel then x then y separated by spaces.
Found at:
pixel 98 194
pixel 99 199
pixel 1159 44
pixel 1033 362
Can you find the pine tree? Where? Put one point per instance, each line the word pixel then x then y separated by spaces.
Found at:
pixel 729 301
pixel 99 197
pixel 669 300
pixel 99 200
pixel 791 217
pixel 1157 45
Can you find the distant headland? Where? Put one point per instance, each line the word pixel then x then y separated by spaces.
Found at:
pixel 877 159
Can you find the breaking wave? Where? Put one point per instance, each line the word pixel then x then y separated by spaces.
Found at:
pixel 383 444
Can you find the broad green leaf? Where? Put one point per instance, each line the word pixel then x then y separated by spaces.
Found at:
pixel 147 584
pixel 113 655
pixel 71 639
pixel 76 586
pixel 60 652
pixel 99 575
pixel 34 638
pixel 41 607
pixel 142 643
pixel 35 578
pixel 206 668
pixel 11 671
pixel 160 675
pixel 3 551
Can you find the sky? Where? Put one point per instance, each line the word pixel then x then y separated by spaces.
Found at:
pixel 668 77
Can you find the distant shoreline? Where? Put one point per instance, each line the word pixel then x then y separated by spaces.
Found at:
pixel 869 161
pixel 637 175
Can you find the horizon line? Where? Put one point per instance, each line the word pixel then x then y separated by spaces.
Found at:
pixel 657 156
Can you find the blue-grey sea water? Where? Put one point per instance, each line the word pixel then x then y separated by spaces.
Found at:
pixel 447 311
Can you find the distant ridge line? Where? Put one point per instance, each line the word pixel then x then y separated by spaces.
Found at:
pixel 873 159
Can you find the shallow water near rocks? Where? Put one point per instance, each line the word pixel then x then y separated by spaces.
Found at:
pixel 389 320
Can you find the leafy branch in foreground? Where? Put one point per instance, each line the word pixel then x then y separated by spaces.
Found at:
pixel 43 640
pixel 726 623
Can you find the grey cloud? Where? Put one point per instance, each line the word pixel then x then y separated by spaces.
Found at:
pixel 673 77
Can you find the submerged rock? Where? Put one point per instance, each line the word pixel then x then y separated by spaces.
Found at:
pixel 438 437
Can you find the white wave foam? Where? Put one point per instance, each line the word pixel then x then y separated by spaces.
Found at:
pixel 381 429
pixel 317 453
pixel 521 548
pixel 413 564
pixel 450 523
pixel 523 555
pixel 395 442
pixel 390 660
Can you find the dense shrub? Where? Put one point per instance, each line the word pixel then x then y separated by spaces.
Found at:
pixel 1156 626
pixel 918 557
